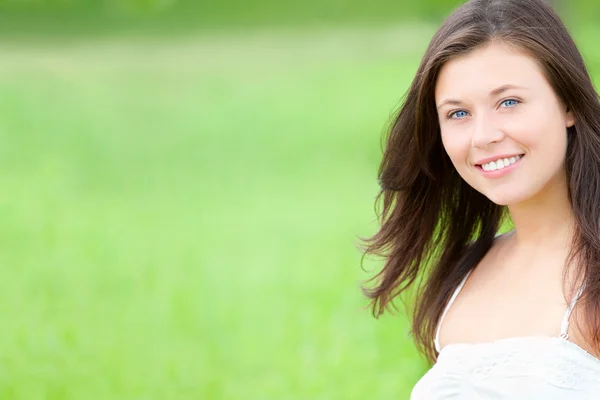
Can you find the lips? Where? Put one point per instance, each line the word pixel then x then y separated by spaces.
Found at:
pixel 497 169
pixel 500 163
pixel 498 157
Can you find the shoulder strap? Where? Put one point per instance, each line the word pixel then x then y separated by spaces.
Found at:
pixel 436 340
pixel 564 327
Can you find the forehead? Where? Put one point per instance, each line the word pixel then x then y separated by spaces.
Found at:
pixel 484 69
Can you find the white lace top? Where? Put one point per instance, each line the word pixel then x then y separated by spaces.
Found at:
pixel 535 367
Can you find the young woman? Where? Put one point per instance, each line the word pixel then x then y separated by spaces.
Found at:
pixel 500 127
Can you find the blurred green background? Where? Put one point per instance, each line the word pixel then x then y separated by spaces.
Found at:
pixel 183 185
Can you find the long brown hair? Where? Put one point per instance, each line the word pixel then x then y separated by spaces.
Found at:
pixel 435 228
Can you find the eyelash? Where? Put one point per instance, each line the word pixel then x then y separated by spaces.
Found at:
pixel 450 115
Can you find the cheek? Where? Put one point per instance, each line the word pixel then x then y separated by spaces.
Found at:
pixel 456 146
pixel 543 136
pixel 540 127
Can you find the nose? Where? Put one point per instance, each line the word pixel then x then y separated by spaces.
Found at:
pixel 485 132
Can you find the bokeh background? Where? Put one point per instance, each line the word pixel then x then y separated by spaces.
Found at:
pixel 183 185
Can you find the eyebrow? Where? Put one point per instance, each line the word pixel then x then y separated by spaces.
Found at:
pixel 496 92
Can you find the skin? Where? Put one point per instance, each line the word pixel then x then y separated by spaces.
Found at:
pixel 495 101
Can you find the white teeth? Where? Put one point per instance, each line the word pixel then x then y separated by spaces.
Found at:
pixel 500 164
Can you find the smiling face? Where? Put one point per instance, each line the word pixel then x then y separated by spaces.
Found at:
pixel 495 103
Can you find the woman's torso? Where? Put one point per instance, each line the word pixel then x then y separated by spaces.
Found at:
pixel 533 363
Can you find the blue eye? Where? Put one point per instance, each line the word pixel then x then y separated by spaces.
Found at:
pixel 509 103
pixel 458 114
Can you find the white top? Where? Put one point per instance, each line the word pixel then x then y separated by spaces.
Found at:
pixel 520 368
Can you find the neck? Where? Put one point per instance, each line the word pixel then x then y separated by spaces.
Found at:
pixel 544 222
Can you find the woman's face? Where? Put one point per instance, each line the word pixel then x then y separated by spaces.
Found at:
pixel 502 125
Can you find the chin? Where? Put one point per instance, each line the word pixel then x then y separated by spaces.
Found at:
pixel 505 199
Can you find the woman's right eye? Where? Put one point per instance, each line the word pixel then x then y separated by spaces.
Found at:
pixel 457 114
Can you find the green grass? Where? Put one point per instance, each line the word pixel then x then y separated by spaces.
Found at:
pixel 91 17
pixel 180 216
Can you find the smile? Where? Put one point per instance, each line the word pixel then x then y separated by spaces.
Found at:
pixel 499 166
pixel 500 163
